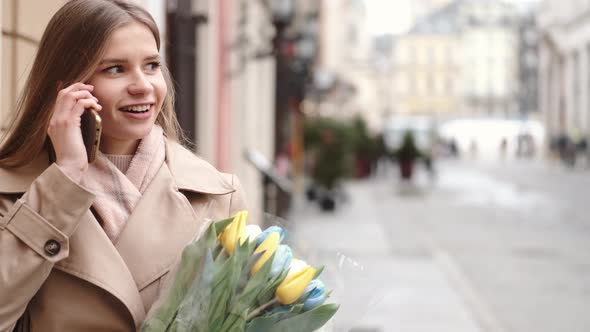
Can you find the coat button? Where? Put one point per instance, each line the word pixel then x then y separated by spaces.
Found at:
pixel 52 247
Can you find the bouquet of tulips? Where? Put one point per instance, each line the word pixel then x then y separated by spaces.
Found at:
pixel 238 278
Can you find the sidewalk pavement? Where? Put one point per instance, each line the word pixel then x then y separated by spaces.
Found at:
pixel 385 281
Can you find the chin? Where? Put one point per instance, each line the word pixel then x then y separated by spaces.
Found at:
pixel 140 133
pixel 136 133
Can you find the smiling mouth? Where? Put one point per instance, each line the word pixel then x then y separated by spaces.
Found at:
pixel 137 109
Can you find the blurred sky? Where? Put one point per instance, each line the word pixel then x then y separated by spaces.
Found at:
pixel 388 16
pixel 393 16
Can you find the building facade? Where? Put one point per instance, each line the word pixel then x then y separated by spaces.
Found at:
pixel 427 67
pixel 345 67
pixel 460 60
pixel 564 67
pixel 490 46
pixel 528 94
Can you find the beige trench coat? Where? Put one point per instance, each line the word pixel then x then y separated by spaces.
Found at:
pixel 59 269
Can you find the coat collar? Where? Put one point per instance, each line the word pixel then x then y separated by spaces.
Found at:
pixel 190 173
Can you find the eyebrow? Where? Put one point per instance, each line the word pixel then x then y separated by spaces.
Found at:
pixel 116 60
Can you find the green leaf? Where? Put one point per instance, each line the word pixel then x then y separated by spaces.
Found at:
pixel 165 313
pixel 219 303
pixel 319 271
pixel 265 322
pixel 194 310
pixel 245 275
pixel 223 269
pixel 221 225
pixel 253 287
pixel 307 321
pixel 262 324
pixel 221 258
pixel 224 287
pixel 295 310
pixel 269 291
pixel 238 324
pixel 233 321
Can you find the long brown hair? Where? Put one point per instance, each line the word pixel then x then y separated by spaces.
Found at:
pixel 70 50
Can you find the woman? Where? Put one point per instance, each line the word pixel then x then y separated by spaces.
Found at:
pixel 86 247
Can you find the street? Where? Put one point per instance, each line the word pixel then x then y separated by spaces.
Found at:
pixel 490 247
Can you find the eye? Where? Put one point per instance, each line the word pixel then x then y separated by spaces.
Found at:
pixel 153 65
pixel 113 69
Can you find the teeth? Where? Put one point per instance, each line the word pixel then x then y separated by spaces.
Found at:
pixel 138 108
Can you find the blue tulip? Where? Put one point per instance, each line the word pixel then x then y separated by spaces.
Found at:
pixel 282 260
pixel 269 230
pixel 317 294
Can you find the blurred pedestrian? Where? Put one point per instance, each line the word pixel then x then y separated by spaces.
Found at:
pixel 503 148
pixel 406 156
pixel 473 149
pixel 566 149
pixel 86 247
pixel 453 148
pixel 380 160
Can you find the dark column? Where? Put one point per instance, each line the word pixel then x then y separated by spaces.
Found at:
pixel 182 61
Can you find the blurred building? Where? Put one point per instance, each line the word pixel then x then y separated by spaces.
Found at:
pixel 528 66
pixel 343 72
pixel 221 54
pixel 564 69
pixel 490 57
pixel 23 22
pixel 427 67
pixel 460 60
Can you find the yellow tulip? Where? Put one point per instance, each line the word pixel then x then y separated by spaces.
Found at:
pixel 294 284
pixel 269 246
pixel 235 231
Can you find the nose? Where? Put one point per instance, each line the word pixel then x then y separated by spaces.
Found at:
pixel 139 84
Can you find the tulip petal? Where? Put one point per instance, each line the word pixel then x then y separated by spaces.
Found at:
pixel 316 292
pixel 270 230
pixel 282 260
pixel 268 247
pixel 294 285
pixel 234 232
pixel 253 231
pixel 297 265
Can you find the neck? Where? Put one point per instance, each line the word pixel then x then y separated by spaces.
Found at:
pixel 113 146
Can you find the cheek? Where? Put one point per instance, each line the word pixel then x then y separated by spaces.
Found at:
pixel 104 94
pixel 161 90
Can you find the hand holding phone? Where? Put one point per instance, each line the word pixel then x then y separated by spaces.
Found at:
pixel 65 132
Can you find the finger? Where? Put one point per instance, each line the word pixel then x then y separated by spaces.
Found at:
pixel 68 99
pixel 82 94
pixel 75 87
pixel 83 104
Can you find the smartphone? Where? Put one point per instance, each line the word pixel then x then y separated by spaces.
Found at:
pixel 91 126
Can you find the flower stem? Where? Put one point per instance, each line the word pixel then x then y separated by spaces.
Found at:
pixel 260 309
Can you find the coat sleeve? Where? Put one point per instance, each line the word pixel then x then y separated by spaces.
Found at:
pixel 34 235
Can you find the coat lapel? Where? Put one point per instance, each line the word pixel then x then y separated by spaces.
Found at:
pixel 161 225
pixel 94 258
